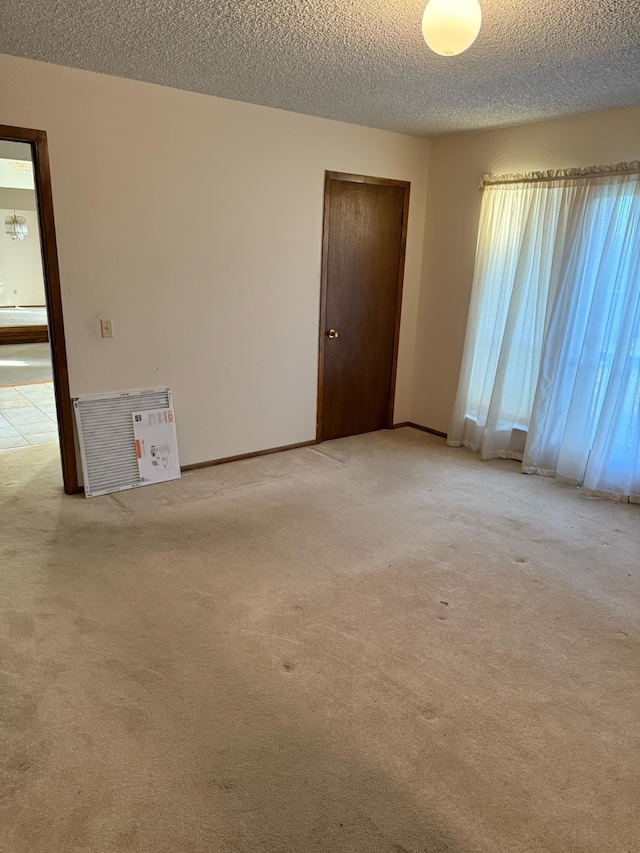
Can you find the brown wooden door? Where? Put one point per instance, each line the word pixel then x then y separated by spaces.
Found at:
pixel 362 270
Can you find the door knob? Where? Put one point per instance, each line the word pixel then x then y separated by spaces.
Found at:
pixel 332 333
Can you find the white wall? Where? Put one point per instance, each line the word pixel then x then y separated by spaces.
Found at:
pixel 195 224
pixel 21 277
pixel 456 165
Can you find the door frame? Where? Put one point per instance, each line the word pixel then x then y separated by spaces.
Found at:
pixel 37 139
pixel 360 179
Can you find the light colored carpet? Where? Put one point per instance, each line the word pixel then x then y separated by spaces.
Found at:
pixel 23 316
pixel 22 364
pixel 383 644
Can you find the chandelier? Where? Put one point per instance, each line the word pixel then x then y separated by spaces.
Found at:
pixel 16 227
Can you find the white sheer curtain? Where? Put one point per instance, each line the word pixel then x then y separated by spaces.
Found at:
pixel 551 368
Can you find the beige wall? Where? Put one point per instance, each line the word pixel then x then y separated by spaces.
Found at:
pixel 456 165
pixel 195 224
pixel 21 278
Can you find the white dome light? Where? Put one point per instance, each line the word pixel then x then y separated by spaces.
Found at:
pixel 451 26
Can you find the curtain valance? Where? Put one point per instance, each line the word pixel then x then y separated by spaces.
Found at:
pixel 562 175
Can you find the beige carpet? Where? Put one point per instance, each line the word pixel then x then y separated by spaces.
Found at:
pixel 380 645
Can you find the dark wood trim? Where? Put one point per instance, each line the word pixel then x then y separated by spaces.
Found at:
pixel 420 427
pixel 23 335
pixel 194 466
pixel 396 334
pixel 329 176
pixel 359 179
pixel 366 179
pixel 210 463
pixel 42 176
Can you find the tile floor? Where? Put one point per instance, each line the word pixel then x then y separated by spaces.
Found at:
pixel 27 415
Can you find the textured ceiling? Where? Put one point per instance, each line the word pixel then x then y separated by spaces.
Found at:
pixel 361 61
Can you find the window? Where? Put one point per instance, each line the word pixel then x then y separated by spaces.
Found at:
pixel 551 369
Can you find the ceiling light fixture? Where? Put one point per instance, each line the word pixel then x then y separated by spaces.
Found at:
pixel 16 227
pixel 449 27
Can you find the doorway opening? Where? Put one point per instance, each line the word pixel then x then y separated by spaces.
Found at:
pixel 35 404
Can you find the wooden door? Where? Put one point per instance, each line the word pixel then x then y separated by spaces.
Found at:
pixel 365 226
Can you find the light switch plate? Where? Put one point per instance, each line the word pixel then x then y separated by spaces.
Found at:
pixel 106 328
